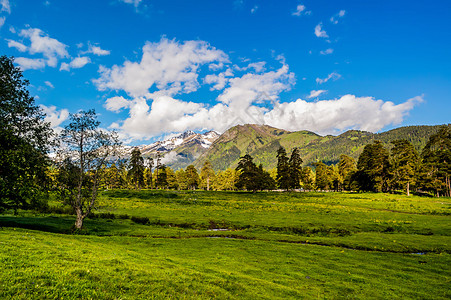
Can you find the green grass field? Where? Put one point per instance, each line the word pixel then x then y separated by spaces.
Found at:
pixel 232 245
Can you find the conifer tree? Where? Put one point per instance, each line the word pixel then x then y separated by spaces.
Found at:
pixel 295 169
pixel 373 168
pixel 136 168
pixel 404 164
pixel 283 169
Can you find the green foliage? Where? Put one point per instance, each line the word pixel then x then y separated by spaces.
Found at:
pixel 207 176
pixel 405 163
pixel 192 177
pixel 295 171
pixel 24 141
pixel 283 170
pixel 373 168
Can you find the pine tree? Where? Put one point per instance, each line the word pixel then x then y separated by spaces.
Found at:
pixel 136 168
pixel 248 174
pixel 295 170
pixel 404 164
pixel 346 168
pixel 437 161
pixel 373 168
pixel 283 169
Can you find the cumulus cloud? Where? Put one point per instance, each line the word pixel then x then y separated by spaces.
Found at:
pixel 316 93
pixel 334 19
pixel 115 104
pixel 40 43
pixel 319 32
pixel 54 116
pixel 166 65
pixel 338 115
pixel 327 51
pixel 334 76
pixel 76 63
pixel 30 63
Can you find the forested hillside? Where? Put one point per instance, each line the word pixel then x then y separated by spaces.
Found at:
pixel 262 142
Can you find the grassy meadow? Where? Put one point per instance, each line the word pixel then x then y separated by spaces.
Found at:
pixel 167 244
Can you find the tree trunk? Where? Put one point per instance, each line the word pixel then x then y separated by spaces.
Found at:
pixel 208 183
pixel 80 218
pixel 408 188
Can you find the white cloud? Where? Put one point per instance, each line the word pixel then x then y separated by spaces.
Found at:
pixel 46 3
pixel 115 104
pixel 334 76
pixel 19 46
pixel 40 43
pixel 316 93
pixel 76 63
pixel 319 32
pixel 340 14
pixel 300 10
pixel 2 21
pixel 49 84
pixel 327 51
pixel 30 63
pixel 254 9
pixel 338 115
pixel 54 116
pixel 6 7
pixel 167 65
pixel 134 2
pixel 96 50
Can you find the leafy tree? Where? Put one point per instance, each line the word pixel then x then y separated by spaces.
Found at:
pixel 171 178
pixel 86 149
pixel 437 161
pixel 24 141
pixel 283 169
pixel 180 175
pixel 346 168
pixel 192 177
pixel 373 168
pixel 161 180
pixel 207 175
pixel 295 169
pixel 226 180
pixel 322 178
pixel 136 168
pixel 307 178
pixel 404 163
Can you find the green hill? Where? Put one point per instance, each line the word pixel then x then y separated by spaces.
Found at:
pixel 262 142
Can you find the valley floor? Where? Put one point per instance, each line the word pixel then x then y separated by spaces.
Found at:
pixel 232 245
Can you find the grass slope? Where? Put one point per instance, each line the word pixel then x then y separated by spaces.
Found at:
pixel 262 142
pixel 233 245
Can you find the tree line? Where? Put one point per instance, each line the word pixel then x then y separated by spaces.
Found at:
pixel 88 161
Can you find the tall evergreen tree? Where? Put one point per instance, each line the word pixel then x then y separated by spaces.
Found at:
pixel 149 167
pixel 373 168
pixel 161 177
pixel 136 168
pixel 248 174
pixel 404 164
pixel 283 169
pixel 437 160
pixel 322 178
pixel 295 169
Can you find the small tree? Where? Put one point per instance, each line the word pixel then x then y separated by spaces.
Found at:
pixel 207 175
pixel 86 148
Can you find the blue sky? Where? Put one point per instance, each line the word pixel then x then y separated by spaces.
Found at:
pixel 152 68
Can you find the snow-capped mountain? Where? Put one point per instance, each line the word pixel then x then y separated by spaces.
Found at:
pixel 181 140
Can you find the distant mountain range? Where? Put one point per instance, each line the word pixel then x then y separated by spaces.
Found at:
pixel 262 142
